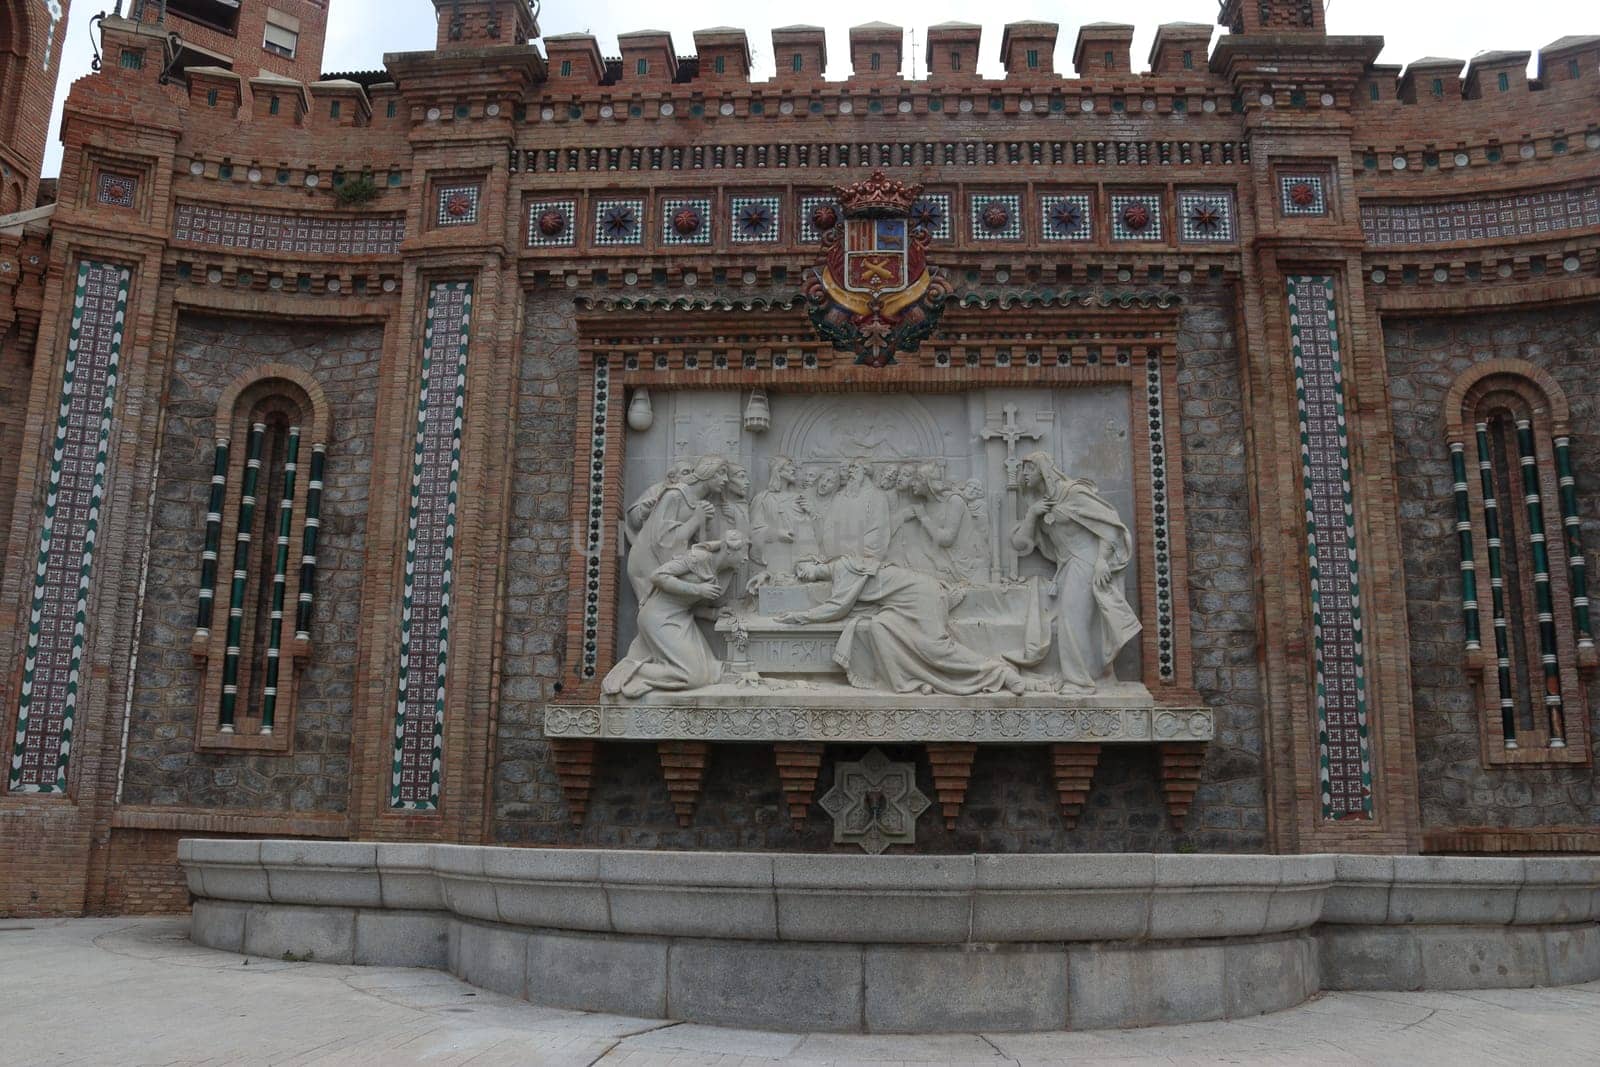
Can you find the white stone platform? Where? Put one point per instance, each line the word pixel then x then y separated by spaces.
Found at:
pixel 905 943
pixel 1120 714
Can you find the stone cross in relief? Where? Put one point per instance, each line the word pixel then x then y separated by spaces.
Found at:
pixel 1011 432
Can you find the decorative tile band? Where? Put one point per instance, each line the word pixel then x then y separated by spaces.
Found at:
pixel 264 231
pixel 280 584
pixel 239 587
pixel 58 620
pixel 1166 654
pixel 1340 657
pixel 594 546
pixel 1497 586
pixel 1572 523
pixel 308 544
pixel 1483 218
pixel 1470 621
pixel 1543 596
pixel 213 544
pixel 430 550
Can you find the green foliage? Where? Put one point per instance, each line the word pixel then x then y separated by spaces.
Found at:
pixel 354 192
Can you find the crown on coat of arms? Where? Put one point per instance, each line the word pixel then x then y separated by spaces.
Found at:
pixel 876 197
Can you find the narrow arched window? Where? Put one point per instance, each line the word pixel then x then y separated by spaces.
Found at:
pixel 259 562
pixel 1524 577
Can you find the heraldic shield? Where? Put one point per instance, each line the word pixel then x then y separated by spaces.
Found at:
pixel 874 294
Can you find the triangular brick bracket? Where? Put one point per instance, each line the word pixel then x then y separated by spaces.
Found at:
pixel 799 764
pixel 683 765
pixel 952 772
pixel 575 771
pixel 1072 769
pixel 1181 763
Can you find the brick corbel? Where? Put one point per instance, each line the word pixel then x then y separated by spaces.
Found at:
pixel 575 771
pixel 1181 763
pixel 799 763
pixel 1072 769
pixel 683 765
pixel 952 772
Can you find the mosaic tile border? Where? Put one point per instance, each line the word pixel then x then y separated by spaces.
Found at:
pixel 809 234
pixel 568 209
pixel 458 205
pixel 670 208
pixel 1121 231
pixel 306 235
pixel 1067 217
pixel 619 222
pixel 594 546
pixel 1192 207
pixel 1160 520
pixel 1011 203
pixel 117 190
pixel 1483 218
pixel 1344 751
pixel 745 214
pixel 1319 195
pixel 940 220
pixel 58 619
pixel 430 540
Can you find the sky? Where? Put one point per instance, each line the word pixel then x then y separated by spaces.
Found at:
pixel 361 31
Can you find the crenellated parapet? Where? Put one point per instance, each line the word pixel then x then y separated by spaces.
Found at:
pixel 1437 116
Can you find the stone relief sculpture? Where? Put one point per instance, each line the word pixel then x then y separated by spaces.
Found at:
pixel 671 652
pixel 1078 530
pixel 864 565
pixel 896 633
pixel 782 524
pixel 684 512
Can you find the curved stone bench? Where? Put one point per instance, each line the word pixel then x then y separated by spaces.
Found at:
pixel 904 943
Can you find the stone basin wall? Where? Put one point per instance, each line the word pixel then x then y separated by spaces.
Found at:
pixel 905 943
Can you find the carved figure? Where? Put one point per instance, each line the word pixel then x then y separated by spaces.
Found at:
pixel 1078 530
pixel 973 550
pixel 856 520
pixel 782 530
pixel 685 513
pixel 897 631
pixel 640 509
pixel 670 652
pixel 926 530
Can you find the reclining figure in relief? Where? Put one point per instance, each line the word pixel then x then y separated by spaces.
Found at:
pixel 896 633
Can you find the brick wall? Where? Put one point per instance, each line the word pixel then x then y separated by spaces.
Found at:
pixel 164 767
pixel 1425 356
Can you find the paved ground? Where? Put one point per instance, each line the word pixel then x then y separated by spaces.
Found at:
pixel 135 991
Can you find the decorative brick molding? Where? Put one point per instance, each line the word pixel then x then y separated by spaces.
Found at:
pixel 58 622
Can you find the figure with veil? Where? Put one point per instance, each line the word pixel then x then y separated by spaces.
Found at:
pixel 1073 526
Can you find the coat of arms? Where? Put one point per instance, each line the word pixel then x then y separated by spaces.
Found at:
pixel 874 293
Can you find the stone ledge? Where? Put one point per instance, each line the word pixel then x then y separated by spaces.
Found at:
pixel 844 942
pixel 749 717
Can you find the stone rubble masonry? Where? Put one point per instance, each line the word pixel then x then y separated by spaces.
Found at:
pixel 1270 106
pixel 164 768
pixel 1426 355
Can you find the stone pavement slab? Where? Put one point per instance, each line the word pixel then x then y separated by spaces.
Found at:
pixel 135 991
